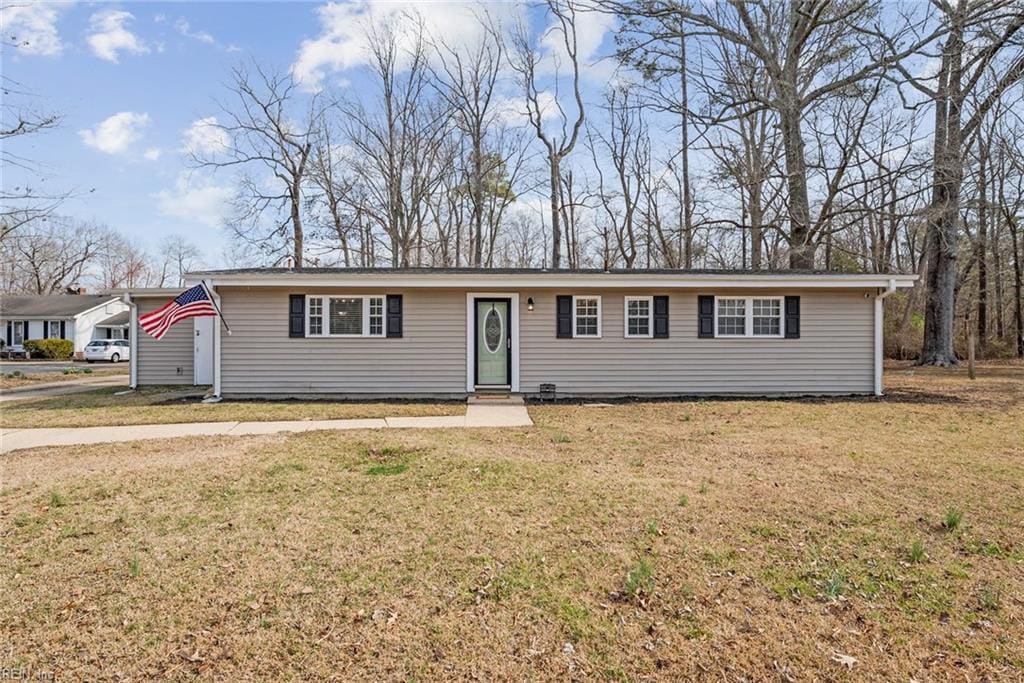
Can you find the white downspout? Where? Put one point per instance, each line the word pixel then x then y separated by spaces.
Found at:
pixel 218 323
pixel 133 341
pixel 879 325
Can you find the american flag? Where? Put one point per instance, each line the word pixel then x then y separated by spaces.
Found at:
pixel 191 303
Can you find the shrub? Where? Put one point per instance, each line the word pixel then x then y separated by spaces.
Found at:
pixel 55 349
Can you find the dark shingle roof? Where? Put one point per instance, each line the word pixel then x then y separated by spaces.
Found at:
pixel 57 306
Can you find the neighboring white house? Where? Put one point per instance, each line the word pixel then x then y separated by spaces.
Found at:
pixel 79 318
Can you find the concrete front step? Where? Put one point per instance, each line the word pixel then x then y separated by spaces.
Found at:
pixel 495 400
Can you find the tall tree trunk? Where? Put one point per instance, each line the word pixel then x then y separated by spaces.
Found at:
pixel 686 234
pixel 997 239
pixel 556 232
pixel 944 212
pixel 1018 305
pixel 296 201
pixel 982 245
pixel 478 199
pixel 801 250
pixel 756 226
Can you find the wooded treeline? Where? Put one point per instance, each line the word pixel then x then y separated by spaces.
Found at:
pixel 806 134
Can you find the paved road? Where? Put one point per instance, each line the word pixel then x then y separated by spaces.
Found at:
pixel 32 367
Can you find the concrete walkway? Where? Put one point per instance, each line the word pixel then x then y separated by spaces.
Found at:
pixel 71 386
pixel 505 415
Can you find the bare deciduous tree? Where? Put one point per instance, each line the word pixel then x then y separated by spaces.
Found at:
pixel 527 61
pixel 270 133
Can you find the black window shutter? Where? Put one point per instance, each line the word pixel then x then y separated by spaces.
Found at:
pixel 394 315
pixel 62 330
pixel 10 332
pixel 563 316
pixel 24 331
pixel 706 317
pixel 109 333
pixel 792 317
pixel 661 317
pixel 46 329
pixel 296 315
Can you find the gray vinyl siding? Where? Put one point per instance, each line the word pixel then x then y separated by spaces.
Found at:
pixel 835 353
pixel 260 358
pixel 168 360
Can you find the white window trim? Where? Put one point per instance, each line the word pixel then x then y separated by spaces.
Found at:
pixel 599 316
pixel 18 325
pixel 49 329
pixel 748 325
pixel 325 316
pixel 650 317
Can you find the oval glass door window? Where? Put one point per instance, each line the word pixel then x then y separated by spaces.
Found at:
pixel 492 330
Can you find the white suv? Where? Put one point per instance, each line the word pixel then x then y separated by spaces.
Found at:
pixel 113 350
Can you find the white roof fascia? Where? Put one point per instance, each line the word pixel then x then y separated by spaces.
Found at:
pixel 93 308
pixel 717 281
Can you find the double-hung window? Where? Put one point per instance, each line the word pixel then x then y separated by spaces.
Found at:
pixel 344 316
pixel 17 333
pixel 53 332
pixel 586 317
pixel 748 317
pixel 638 316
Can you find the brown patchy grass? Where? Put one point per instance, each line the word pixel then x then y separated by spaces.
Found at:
pixel 720 540
pixel 33 379
pixel 167 405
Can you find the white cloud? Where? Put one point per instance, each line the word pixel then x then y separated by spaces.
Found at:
pixel 591 28
pixel 116 134
pixel 204 138
pixel 31 27
pixel 184 28
pixel 512 110
pixel 344 38
pixel 109 36
pixel 193 199
pixel 152 154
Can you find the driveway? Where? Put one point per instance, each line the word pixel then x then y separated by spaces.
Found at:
pixel 31 367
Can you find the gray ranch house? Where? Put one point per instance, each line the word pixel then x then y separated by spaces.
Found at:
pixel 79 318
pixel 412 332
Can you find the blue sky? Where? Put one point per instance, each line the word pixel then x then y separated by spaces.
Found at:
pixel 134 80
pixel 163 81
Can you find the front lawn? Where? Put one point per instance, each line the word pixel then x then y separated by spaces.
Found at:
pixel 717 540
pixel 160 405
pixel 16 379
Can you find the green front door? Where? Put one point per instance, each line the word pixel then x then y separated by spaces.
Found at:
pixel 493 347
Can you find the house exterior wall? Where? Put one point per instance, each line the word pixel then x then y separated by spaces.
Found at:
pixel 85 323
pixel 168 360
pixel 259 357
pixel 834 354
pixel 35 328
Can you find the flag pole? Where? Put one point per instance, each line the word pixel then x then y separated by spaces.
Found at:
pixel 213 301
